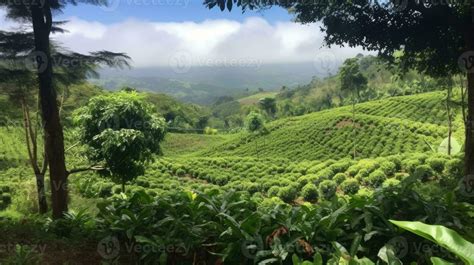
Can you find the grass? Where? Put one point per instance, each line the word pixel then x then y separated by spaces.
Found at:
pixel 253 99
pixel 177 144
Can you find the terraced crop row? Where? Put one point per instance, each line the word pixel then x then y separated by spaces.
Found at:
pixel 329 135
pixel 290 181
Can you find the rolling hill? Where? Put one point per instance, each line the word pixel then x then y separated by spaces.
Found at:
pixel 398 125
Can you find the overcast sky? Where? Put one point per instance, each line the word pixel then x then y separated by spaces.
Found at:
pixel 155 33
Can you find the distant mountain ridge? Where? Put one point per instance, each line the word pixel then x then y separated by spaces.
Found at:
pixel 204 84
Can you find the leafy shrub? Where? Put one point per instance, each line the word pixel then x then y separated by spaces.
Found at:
pixel 180 172
pixel 391 182
pixel 376 178
pixel 327 189
pixel 423 172
pixel 389 168
pixel 454 167
pixel 437 164
pixel 362 174
pixel 273 191
pixel 410 165
pixel 310 192
pixel 350 186
pixel 339 178
pixel 353 170
pixel 288 193
pixel 401 175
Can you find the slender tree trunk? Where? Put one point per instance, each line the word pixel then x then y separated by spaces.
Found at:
pixel 469 142
pixel 32 147
pixel 54 139
pixel 42 202
pixel 469 123
pixel 354 123
pixel 450 122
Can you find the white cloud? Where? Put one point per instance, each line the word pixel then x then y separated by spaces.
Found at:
pixel 200 43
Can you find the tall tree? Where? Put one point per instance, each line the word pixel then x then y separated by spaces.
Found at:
pixel 39 14
pixel 18 80
pixel 256 125
pixel 437 47
pixel 268 105
pixel 354 81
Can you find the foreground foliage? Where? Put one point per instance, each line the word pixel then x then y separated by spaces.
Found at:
pixel 234 229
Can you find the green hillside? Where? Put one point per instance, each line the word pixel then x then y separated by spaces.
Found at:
pixel 253 99
pixel 397 125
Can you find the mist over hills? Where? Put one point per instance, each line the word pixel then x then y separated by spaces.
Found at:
pixel 203 84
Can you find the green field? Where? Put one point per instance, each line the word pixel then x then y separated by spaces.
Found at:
pixel 253 99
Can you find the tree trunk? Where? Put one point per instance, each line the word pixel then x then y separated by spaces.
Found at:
pixel 450 122
pixel 54 142
pixel 32 147
pixel 42 203
pixel 469 142
pixel 354 123
pixel 469 123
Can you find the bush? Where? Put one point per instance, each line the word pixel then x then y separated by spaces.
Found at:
pixel 362 175
pixel 437 164
pixel 376 178
pixel 423 172
pixel 106 189
pixel 350 186
pixel 389 168
pixel 327 189
pixel 288 193
pixel 454 167
pixel 310 192
pixel 339 178
pixel 273 191
pixel 180 172
pixel 391 182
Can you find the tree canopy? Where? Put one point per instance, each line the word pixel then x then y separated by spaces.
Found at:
pixel 121 132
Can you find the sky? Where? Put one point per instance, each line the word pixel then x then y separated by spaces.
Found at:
pixel 176 32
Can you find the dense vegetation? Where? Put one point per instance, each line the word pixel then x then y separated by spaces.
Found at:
pixel 260 195
pixel 363 166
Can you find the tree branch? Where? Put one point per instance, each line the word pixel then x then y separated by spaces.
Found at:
pixel 83 169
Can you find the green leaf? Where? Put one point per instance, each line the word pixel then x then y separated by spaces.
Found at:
pixel 268 261
pixel 251 224
pixel 364 261
pixel 442 236
pixel 355 245
pixel 387 254
pixel 439 261
pixel 317 259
